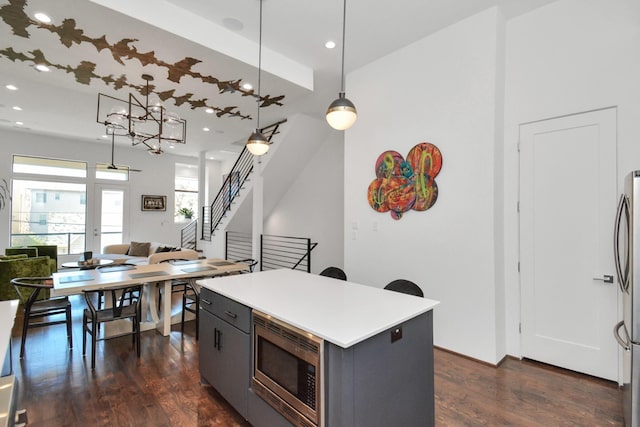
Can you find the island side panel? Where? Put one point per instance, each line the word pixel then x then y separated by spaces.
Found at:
pixel 381 383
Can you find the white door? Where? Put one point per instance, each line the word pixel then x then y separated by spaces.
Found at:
pixel 109 213
pixel 567 208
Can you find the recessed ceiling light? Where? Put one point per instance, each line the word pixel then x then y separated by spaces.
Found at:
pixel 42 17
pixel 19 123
pixel 15 107
pixel 247 86
pixel 42 67
pixel 330 44
pixel 209 111
pixel 206 129
pixel 104 136
pixel 11 87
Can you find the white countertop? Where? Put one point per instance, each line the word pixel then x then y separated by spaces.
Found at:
pixel 340 312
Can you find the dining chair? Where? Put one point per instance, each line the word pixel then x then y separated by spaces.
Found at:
pixel 250 262
pixel 405 287
pixel 123 303
pixel 335 272
pixel 191 303
pixel 112 267
pixel 28 290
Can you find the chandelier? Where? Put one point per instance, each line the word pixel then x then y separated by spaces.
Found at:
pixel 147 123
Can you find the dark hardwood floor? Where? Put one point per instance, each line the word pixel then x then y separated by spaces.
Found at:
pixel 162 388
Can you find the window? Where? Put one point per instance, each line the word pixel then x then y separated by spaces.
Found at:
pixel 51 210
pixel 52 167
pixel 186 192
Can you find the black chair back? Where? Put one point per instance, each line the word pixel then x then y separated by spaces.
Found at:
pixel 125 304
pixel 28 290
pixel 334 272
pixel 405 287
pixel 251 264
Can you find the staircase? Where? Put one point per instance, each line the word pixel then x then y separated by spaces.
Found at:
pixel 212 216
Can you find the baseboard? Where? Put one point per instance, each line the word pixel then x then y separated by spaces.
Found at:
pixel 494 365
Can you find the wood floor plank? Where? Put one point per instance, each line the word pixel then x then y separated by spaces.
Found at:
pixel 162 388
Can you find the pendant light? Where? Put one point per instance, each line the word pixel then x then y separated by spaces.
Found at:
pixel 342 114
pixel 257 144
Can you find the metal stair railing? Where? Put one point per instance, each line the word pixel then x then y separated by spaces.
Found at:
pixel 275 251
pixel 188 235
pixel 237 245
pixel 231 187
pixel 285 252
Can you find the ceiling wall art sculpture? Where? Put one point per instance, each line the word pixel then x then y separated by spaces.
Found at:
pixel 70 35
pixel 401 185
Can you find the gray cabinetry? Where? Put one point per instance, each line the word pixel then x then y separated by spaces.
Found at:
pixel 386 380
pixel 225 347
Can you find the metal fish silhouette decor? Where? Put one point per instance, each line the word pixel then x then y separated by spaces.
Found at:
pixel 402 185
pixel 78 40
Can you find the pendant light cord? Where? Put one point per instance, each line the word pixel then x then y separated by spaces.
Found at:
pixel 259 65
pixel 344 21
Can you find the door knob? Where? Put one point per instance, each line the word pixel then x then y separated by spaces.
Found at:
pixel 607 278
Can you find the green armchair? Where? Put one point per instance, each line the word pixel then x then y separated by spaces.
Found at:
pixel 37 250
pixel 22 266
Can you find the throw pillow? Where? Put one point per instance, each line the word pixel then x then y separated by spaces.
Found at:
pixel 139 249
pixel 164 249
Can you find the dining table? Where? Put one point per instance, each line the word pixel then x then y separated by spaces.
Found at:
pixel 151 276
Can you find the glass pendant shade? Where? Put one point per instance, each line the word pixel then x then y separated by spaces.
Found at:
pixel 341 114
pixel 257 144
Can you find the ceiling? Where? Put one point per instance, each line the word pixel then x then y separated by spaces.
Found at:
pixel 200 53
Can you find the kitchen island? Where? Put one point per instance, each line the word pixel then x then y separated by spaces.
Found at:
pixel 376 353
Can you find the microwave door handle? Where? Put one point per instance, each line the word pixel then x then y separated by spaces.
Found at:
pixel 616 241
pixel 624 343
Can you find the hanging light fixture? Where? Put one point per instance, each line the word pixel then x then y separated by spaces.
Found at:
pixel 145 123
pixel 257 144
pixel 342 114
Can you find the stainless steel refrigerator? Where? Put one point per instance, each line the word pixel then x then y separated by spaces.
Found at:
pixel 627 259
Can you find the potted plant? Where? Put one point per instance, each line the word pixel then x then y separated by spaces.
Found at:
pixel 186 212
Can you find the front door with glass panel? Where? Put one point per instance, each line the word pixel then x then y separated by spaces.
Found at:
pixel 110 222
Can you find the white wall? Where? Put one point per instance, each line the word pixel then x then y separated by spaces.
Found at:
pixel 157 178
pixel 442 90
pixel 467 89
pixel 313 205
pixel 568 57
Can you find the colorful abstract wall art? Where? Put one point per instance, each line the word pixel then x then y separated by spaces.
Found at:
pixel 401 185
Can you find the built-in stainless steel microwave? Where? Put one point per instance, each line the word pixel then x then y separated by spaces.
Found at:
pixel 287 370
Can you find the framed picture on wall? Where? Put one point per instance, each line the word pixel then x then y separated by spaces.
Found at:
pixel 154 203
